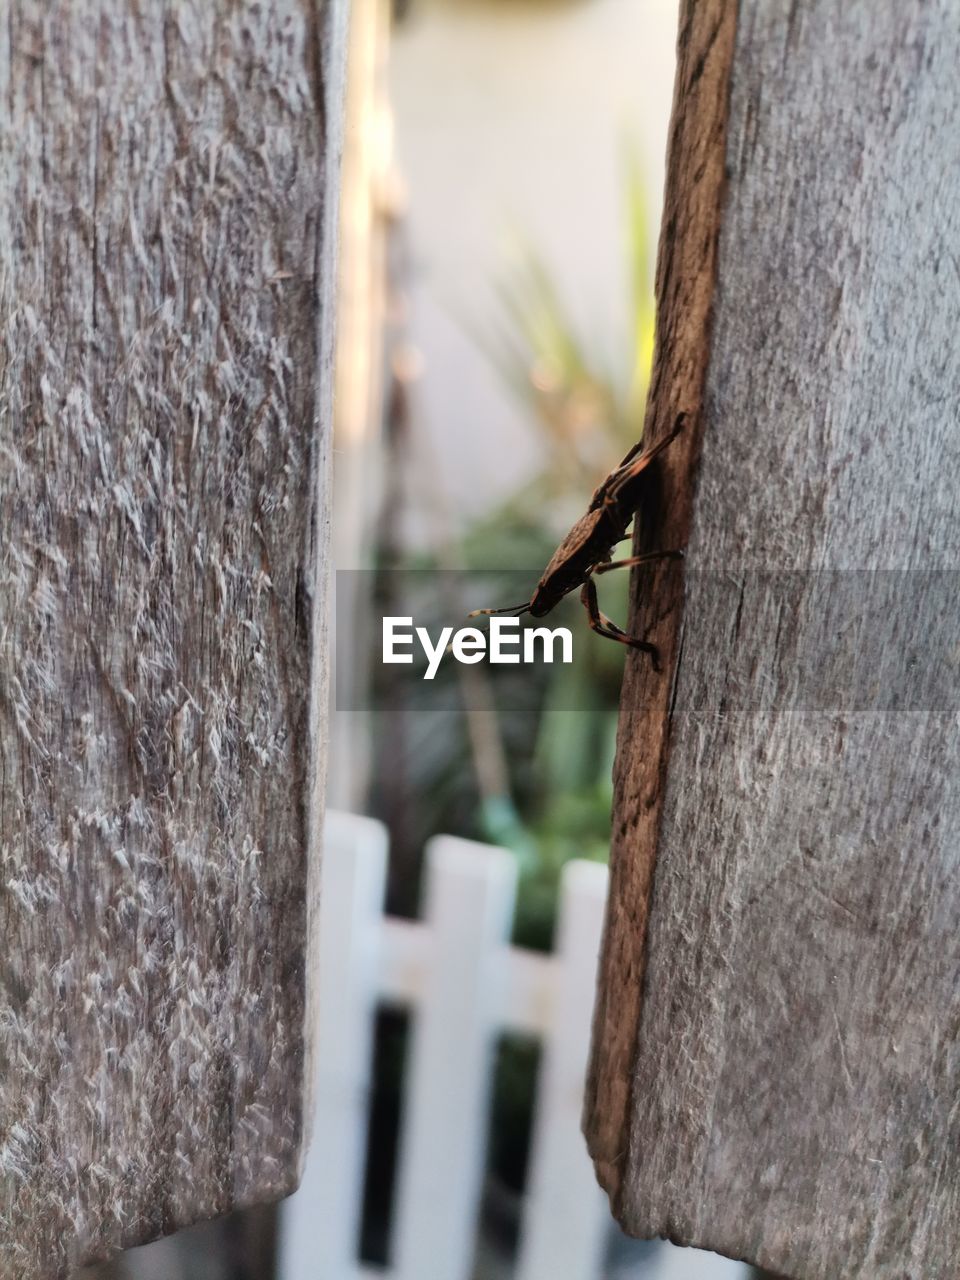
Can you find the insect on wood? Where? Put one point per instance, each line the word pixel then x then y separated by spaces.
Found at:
pixel 587 549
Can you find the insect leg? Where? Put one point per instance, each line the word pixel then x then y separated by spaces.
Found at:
pixel 603 626
pixel 631 467
pixel 632 560
pixel 516 609
pixel 629 455
pixel 627 467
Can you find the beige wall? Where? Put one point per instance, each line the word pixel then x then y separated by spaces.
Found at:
pixel 513 115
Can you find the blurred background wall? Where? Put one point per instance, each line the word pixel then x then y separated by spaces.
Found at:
pixel 513 123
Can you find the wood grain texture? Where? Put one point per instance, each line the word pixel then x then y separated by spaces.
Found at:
pixel 793 997
pixel 167 229
pixel 685 288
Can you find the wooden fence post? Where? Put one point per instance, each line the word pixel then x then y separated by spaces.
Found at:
pixel 167 233
pixel 322 1239
pixel 776 1053
pixel 470 891
pixel 567 1227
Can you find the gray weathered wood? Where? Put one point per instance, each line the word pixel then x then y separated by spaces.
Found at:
pixel 777 1046
pixel 167 229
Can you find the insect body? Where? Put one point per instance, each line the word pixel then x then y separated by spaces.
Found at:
pixel 587 549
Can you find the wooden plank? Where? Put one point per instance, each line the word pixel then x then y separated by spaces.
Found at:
pixel 321 1223
pixel 167 200
pixel 776 1057
pixel 566 1224
pixel 470 893
pixel 685 276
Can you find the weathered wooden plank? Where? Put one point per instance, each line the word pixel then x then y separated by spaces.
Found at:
pixel 167 226
pixel 470 891
pixel 685 274
pixel 566 1227
pixel 777 1044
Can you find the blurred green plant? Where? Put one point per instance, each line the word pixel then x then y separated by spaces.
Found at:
pixel 585 412
pixel 553 798
pixel 588 417
pixel 556 803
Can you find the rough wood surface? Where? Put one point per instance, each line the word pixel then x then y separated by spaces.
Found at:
pixel 685 286
pixel 167 226
pixel 777 1052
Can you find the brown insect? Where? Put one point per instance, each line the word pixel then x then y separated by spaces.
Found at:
pixel 587 549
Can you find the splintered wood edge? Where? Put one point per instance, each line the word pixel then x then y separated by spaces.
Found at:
pixel 686 275
pixel 331 49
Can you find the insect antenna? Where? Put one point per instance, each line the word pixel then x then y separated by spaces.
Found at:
pixel 515 609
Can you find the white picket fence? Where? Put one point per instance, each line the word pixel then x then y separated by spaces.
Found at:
pixel 465 983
